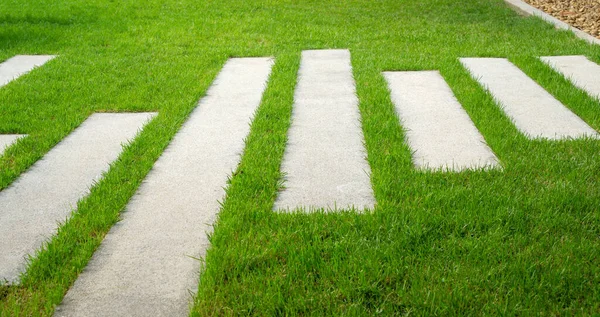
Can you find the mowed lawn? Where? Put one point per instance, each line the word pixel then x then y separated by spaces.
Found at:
pixel 521 240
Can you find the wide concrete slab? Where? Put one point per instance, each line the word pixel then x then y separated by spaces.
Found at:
pixel 325 162
pixel 7 140
pixel 147 264
pixel 582 72
pixel 19 65
pixel 531 108
pixel 47 193
pixel 438 130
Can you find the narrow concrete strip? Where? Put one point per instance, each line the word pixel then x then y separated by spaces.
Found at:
pixel 582 72
pixel 7 140
pixel 47 193
pixel 438 130
pixel 325 161
pixel 522 7
pixel 19 65
pixel 148 263
pixel 532 109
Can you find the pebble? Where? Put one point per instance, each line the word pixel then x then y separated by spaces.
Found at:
pixel 582 14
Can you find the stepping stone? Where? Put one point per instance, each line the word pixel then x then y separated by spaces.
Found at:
pixel 325 161
pixel 7 140
pixel 148 263
pixel 584 73
pixel 19 65
pixel 438 130
pixel 532 109
pixel 47 193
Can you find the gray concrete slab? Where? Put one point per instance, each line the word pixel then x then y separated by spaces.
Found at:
pixel 47 193
pixel 19 65
pixel 325 162
pixel 582 72
pixel 147 264
pixel 531 108
pixel 7 140
pixel 438 130
pixel 522 7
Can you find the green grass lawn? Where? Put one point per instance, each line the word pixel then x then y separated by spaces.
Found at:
pixel 524 240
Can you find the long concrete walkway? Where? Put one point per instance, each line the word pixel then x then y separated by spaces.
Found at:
pixel 148 263
pixel 19 65
pixel 532 109
pixel 45 195
pixel 438 130
pixel 325 162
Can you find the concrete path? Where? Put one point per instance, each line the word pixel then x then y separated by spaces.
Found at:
pixel 45 195
pixel 532 109
pixel 438 129
pixel 146 265
pixel 7 140
pixel 325 161
pixel 19 65
pixel 582 72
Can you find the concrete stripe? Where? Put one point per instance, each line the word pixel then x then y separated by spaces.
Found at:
pixel 45 195
pixel 19 65
pixel 7 140
pixel 532 109
pixel 522 7
pixel 325 161
pixel 146 265
pixel 584 73
pixel 438 130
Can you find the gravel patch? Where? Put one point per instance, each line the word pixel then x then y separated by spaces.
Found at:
pixel 582 14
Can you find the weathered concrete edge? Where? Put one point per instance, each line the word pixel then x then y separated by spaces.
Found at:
pixel 8 140
pixel 522 7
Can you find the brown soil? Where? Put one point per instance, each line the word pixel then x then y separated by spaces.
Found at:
pixel 582 14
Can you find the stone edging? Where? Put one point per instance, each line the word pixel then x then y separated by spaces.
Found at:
pixel 526 9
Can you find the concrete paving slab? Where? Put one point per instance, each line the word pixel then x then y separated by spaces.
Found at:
pixel 532 109
pixel 147 264
pixel 438 130
pixel 19 65
pixel 325 162
pixel 582 72
pixel 47 193
pixel 7 140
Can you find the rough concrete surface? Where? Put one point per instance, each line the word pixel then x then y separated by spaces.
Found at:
pixel 148 263
pixel 325 161
pixel 582 72
pixel 438 129
pixel 7 140
pixel 19 65
pixel 532 109
pixel 45 195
